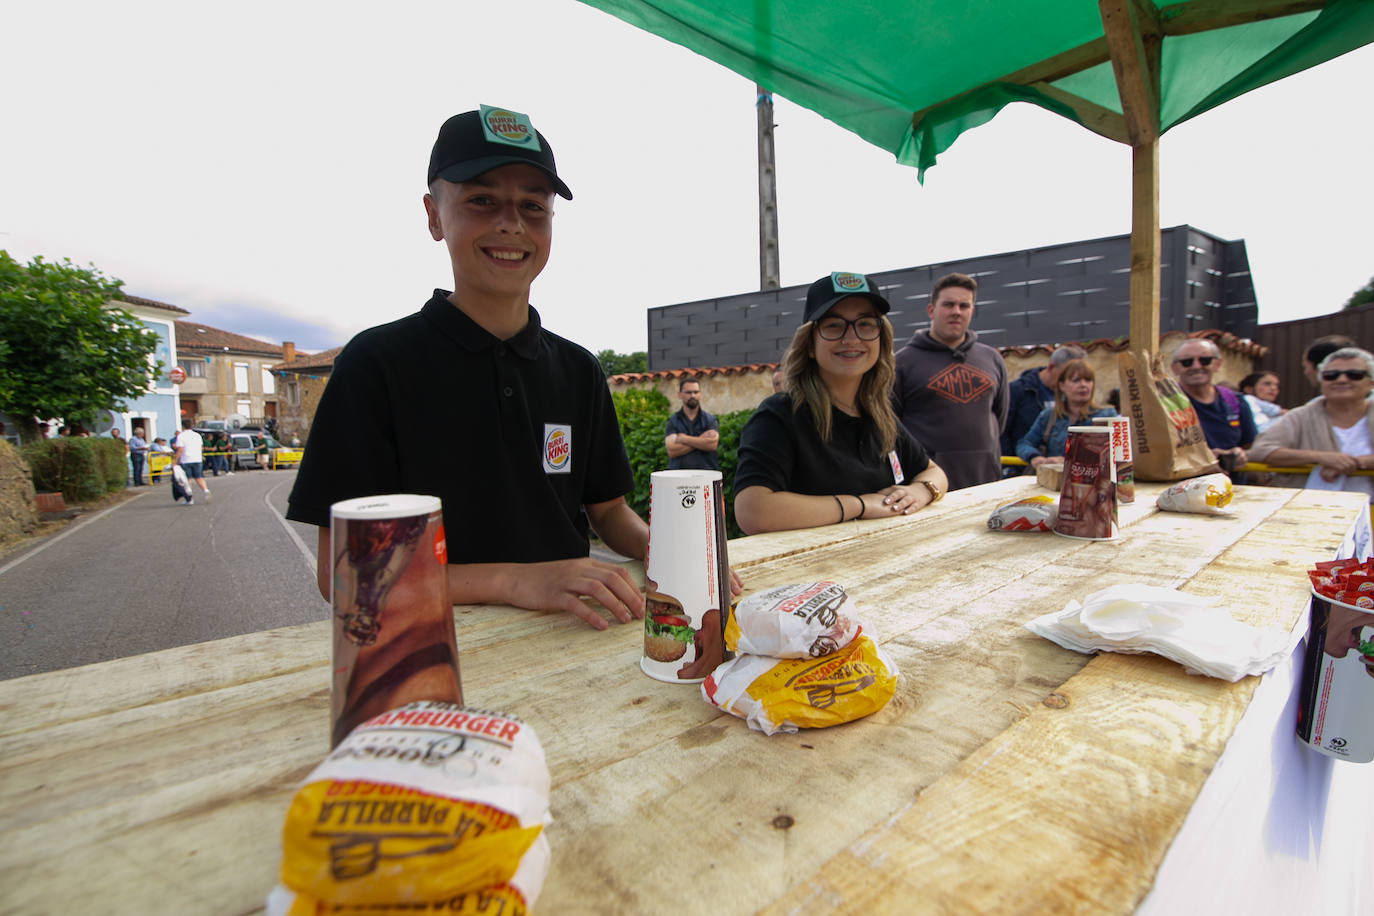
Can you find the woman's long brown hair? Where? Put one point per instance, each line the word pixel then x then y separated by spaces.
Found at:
pixel 802 381
pixel 1075 368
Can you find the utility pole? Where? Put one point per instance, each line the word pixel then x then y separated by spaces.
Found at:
pixel 768 192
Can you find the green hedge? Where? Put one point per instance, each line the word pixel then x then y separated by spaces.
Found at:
pixel 642 414
pixel 82 469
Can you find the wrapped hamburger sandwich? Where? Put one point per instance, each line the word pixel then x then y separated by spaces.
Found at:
pixel 794 621
pixel 431 806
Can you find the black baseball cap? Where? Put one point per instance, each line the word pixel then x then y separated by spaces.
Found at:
pixel 830 289
pixel 478 141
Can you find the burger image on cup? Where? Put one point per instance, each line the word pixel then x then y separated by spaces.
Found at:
pixel 667 628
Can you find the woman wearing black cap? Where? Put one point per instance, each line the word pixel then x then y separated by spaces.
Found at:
pixel 828 447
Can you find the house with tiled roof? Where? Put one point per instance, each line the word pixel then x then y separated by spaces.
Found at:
pixel 226 373
pixel 157 410
pixel 301 380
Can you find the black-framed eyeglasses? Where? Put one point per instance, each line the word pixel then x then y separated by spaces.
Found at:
pixel 1355 375
pixel 1203 361
pixel 834 328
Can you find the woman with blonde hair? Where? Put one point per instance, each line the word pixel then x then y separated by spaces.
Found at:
pixel 828 448
pixel 1073 406
pixel 1335 431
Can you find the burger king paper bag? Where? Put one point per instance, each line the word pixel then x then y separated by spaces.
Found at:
pixel 1166 436
pixel 687 581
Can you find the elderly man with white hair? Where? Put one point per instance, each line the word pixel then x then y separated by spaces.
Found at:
pixel 1225 417
pixel 1334 431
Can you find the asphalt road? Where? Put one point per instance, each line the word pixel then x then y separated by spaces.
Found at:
pixel 151 574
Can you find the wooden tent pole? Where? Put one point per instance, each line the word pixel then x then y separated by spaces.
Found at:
pixel 1132 30
pixel 1144 321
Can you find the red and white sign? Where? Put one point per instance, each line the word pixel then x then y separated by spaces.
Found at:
pixel 177 375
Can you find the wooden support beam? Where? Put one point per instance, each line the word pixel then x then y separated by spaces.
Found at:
pixel 1132 34
pixel 1187 18
pixel 1133 37
pixel 1177 19
pixel 1144 318
pixel 1096 118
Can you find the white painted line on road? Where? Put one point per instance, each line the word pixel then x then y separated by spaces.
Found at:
pixel 70 529
pixel 307 552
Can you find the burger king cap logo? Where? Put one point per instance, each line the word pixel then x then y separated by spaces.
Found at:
pixel 845 282
pixel 557 448
pixel 512 128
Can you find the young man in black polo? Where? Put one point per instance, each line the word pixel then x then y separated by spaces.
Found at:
pixel 471 400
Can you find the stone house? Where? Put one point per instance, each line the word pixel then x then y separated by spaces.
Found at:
pixel 226 374
pixel 301 380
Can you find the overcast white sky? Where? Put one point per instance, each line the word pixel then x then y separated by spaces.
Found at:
pixel 261 164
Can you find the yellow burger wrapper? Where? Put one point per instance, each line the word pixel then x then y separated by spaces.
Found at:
pixel 359 842
pixel 774 695
pixel 430 806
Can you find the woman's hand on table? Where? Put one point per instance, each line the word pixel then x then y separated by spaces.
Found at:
pixel 902 499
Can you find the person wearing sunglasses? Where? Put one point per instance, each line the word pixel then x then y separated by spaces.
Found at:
pixel 828 448
pixel 1225 417
pixel 1333 431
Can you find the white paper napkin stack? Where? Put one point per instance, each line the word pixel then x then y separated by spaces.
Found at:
pixel 1188 629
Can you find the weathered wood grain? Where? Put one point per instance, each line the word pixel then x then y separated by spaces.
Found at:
pixel 166 776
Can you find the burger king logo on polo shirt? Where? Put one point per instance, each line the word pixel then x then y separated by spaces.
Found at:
pixel 512 128
pixel 557 448
pixel 846 282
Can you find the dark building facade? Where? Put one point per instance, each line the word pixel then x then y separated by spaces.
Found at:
pixel 1056 294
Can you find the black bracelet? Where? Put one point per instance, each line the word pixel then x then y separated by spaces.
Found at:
pixel 862 508
pixel 841 505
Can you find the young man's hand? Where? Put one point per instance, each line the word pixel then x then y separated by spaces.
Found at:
pixel 561 584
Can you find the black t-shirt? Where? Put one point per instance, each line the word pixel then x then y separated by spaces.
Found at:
pixel 695 460
pixel 513 436
pixel 780 450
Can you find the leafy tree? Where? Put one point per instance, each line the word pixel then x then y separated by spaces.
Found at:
pixel 1362 296
pixel 68 354
pixel 613 363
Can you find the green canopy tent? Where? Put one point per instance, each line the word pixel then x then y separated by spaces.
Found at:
pixel 911 75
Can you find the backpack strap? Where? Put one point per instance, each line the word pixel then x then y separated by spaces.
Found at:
pixel 1232 403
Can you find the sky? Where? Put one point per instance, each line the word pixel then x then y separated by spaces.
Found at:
pixel 261 164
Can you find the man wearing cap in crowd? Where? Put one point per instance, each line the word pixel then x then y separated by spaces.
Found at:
pixel 691 435
pixel 951 390
pixel 472 400
pixel 1030 393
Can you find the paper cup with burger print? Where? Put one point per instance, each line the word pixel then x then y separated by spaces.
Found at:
pixel 687 582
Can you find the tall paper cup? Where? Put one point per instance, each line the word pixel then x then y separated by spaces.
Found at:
pixel 1121 454
pixel 1087 499
pixel 1336 700
pixel 392 621
pixel 687 581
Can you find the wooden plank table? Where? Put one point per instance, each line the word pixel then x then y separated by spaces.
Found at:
pixel 1006 774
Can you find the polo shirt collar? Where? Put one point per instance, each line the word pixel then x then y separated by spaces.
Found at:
pixel 453 323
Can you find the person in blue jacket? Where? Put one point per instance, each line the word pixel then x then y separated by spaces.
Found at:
pixel 1073 406
pixel 1029 394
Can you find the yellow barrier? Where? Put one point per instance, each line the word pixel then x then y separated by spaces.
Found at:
pixel 286 456
pixel 159 466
